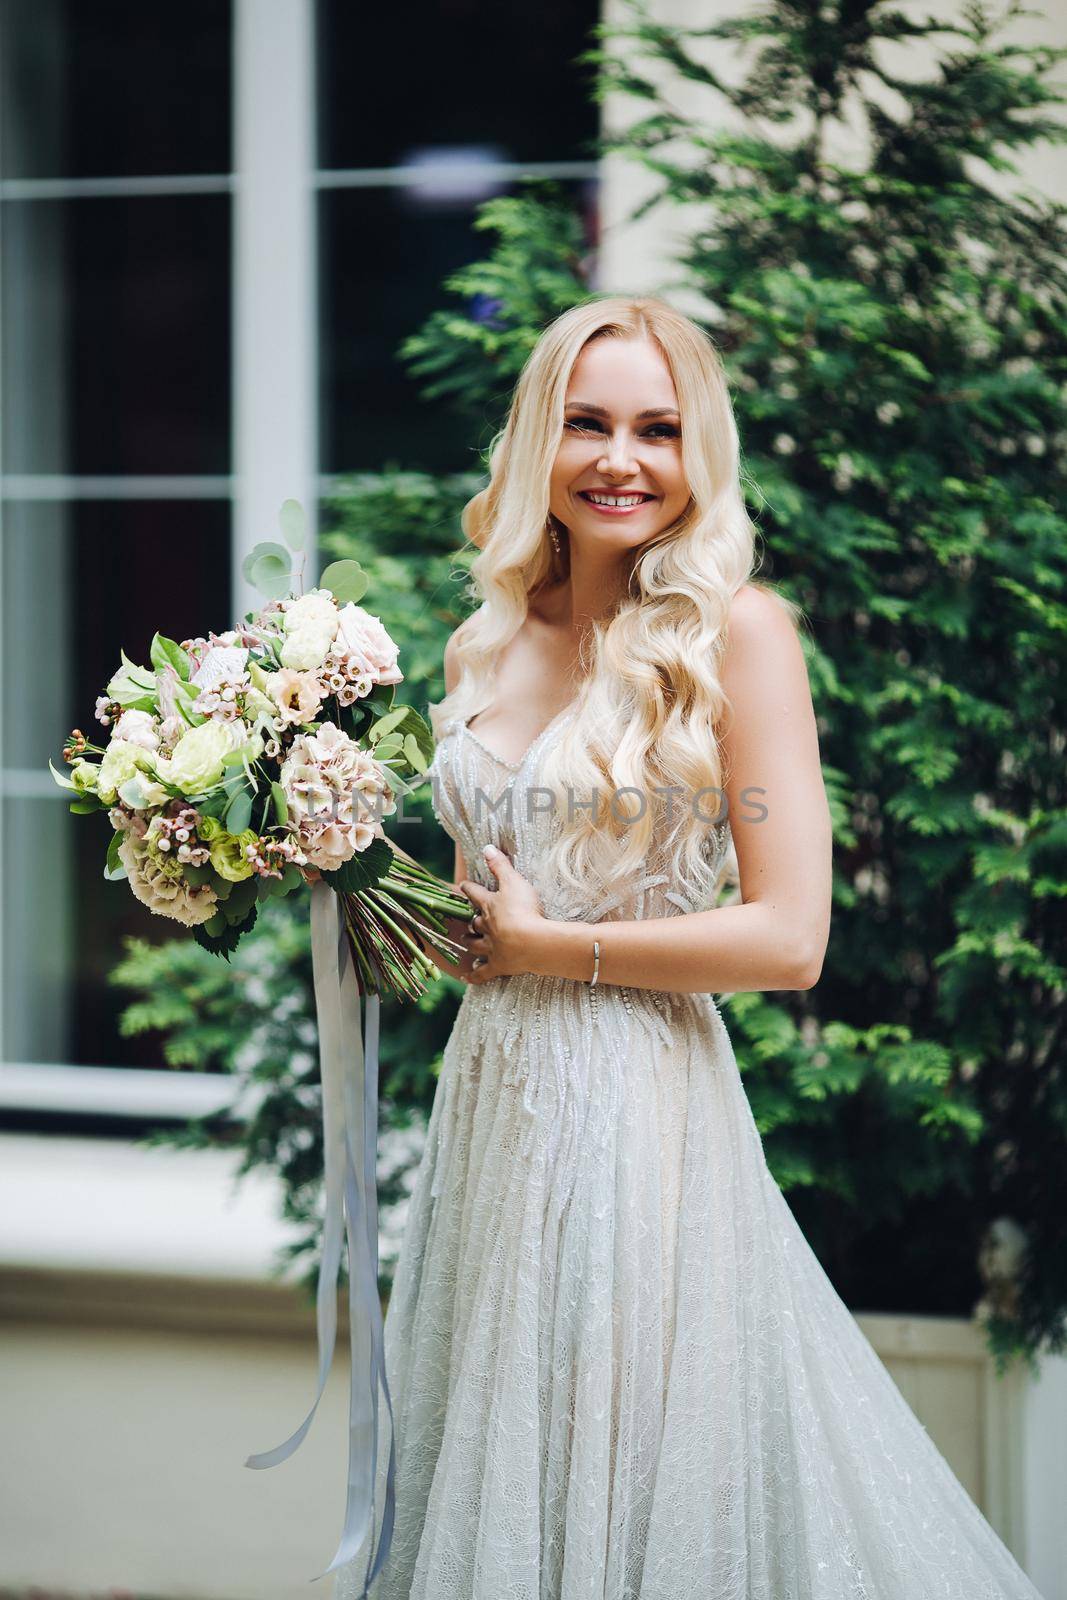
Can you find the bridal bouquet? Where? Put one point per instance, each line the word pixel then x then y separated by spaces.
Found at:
pixel 241 765
pixel 244 764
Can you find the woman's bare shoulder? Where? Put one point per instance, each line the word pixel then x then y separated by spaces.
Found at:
pixel 763 652
pixel 757 606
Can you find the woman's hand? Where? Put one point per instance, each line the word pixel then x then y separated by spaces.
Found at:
pixel 500 933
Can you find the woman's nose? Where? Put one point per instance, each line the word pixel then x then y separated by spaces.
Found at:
pixel 618 454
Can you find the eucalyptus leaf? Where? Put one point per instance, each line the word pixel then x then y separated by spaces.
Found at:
pixel 293 524
pixel 346 580
pixel 271 577
pixel 281 804
pixel 266 547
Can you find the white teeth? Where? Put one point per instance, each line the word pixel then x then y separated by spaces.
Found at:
pixel 616 499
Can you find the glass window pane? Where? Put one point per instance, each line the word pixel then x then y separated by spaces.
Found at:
pixel 108 88
pixel 80 579
pixel 370 301
pixel 464 73
pixel 116 314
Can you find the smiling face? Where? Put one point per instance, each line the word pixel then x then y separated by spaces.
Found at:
pixel 622 438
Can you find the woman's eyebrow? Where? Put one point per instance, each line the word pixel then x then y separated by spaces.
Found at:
pixel 602 411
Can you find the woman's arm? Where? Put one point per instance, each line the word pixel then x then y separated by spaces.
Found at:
pixel 776 937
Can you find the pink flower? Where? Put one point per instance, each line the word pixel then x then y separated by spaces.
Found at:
pixel 298 695
pixel 362 635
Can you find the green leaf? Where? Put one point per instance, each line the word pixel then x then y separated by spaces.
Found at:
pixel 346 580
pixel 82 808
pixel 167 653
pixel 414 752
pixel 222 937
pixel 268 568
pixel 386 724
pixel 61 777
pixel 362 870
pixel 241 899
pixel 134 687
pixel 238 813
pixel 113 866
pixel 281 805
pixel 403 729
pixel 293 523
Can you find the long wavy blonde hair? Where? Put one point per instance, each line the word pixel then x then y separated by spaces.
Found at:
pixel 651 703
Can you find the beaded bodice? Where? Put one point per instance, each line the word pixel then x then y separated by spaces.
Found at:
pixel 480 798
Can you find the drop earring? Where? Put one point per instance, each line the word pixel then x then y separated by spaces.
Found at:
pixel 553 535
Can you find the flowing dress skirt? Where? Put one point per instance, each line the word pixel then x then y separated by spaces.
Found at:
pixel 618 1370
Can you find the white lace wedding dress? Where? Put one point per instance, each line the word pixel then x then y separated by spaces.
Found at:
pixel 618 1370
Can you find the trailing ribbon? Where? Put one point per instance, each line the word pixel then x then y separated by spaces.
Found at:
pixel 350 1138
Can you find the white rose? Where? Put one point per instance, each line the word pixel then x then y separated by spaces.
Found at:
pixel 318 606
pixel 307 646
pixel 365 637
pixel 196 762
pixel 137 727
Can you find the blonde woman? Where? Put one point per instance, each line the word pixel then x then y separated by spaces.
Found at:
pixel 617 1369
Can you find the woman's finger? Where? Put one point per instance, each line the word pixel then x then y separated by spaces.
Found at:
pixel 478 896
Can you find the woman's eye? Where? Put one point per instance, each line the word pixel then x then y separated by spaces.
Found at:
pixel 583 424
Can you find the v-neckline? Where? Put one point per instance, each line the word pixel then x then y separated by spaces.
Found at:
pixel 516 766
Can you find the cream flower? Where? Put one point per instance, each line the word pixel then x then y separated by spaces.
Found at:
pixel 336 794
pixel 307 647
pixel 364 637
pixel 197 760
pixel 138 727
pixel 83 775
pixel 310 627
pixel 117 765
pixel 297 695
pixel 317 606
pixel 162 887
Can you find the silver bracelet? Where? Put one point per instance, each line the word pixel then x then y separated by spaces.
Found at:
pixel 596 962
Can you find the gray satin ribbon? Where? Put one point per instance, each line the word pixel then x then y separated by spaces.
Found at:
pixel 350 1139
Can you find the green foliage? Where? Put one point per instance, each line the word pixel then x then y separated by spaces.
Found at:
pixel 896 340
pixel 472 354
